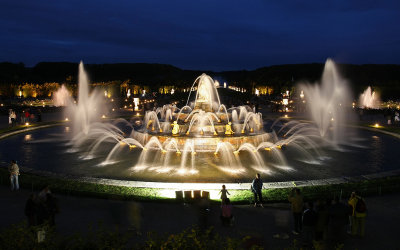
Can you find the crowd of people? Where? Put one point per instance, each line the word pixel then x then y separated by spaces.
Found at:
pixel 327 220
pixel 321 221
pixel 23 117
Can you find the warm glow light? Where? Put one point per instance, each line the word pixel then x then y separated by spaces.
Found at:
pixel 132 146
pixel 376 125
pixel 286 116
pixel 182 171
pixel 267 149
pixel 193 171
pixel 66 119
pixel 27 124
pixel 103 116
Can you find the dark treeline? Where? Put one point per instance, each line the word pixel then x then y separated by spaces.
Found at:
pixel 384 78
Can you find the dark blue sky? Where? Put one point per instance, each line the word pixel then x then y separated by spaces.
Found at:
pixel 204 35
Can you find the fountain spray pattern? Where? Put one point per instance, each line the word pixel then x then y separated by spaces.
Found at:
pixel 186 141
pixel 369 99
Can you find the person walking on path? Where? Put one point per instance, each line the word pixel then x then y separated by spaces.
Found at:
pixel 296 200
pixel 14 173
pixel 256 188
pixel 223 193
pixel 359 212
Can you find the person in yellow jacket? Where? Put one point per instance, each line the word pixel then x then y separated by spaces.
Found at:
pixel 296 200
pixel 358 215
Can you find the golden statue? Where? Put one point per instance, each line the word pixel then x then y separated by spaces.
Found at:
pixel 228 129
pixel 175 129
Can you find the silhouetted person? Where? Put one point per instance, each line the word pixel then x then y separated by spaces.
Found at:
pixel 322 220
pixel 256 188
pixel 226 212
pixel 51 204
pixel 223 193
pixel 338 219
pixel 309 222
pixel 203 207
pixel 31 210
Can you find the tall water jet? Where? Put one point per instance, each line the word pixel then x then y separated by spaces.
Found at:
pixel 328 102
pixel 369 99
pixel 88 108
pixel 62 97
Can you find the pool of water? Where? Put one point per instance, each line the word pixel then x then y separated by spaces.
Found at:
pixel 49 150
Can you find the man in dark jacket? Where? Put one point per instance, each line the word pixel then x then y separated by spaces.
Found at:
pixel 256 187
pixel 338 219
pixel 309 221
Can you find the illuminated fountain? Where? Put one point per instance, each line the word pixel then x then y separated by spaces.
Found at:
pixel 205 141
pixel 328 104
pixel 61 97
pixel 369 99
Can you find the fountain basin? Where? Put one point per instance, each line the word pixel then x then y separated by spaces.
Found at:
pixel 375 153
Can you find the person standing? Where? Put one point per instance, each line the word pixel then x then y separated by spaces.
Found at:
pixel 27 116
pixel 296 200
pixel 256 188
pixel 30 210
pixel 309 221
pixel 359 212
pixel 223 193
pixel 14 173
pixel 13 118
pixel 9 118
pixel 338 220
pixel 226 213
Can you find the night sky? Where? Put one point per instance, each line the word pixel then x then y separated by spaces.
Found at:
pixel 203 35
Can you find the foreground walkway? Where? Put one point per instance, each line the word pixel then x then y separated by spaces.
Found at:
pixel 77 213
